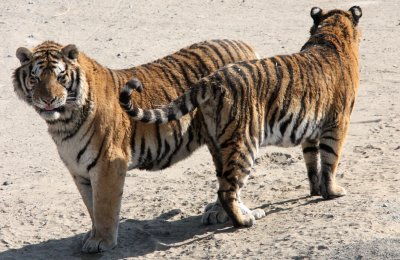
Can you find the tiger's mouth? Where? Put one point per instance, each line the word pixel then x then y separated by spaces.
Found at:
pixel 60 109
pixel 51 114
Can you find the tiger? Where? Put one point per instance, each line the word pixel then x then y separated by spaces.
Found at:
pixel 305 98
pixel 96 139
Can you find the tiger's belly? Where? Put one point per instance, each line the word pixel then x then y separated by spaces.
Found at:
pixel 159 146
pixel 289 131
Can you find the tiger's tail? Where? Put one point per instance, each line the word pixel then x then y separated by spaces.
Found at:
pixel 186 103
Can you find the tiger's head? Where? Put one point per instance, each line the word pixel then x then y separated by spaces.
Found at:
pixel 50 79
pixel 337 21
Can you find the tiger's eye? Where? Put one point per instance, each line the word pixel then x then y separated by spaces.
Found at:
pixel 61 77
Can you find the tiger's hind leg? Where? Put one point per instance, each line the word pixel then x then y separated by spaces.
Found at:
pixel 236 165
pixel 330 147
pixel 311 158
pixel 215 213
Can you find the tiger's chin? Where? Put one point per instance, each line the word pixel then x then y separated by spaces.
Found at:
pixel 51 115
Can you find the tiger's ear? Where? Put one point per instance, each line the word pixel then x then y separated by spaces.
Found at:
pixel 70 51
pixel 24 55
pixel 316 14
pixel 356 13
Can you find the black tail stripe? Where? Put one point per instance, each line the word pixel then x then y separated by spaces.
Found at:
pixel 146 116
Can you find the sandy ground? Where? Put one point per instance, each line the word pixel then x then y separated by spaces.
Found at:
pixel 42 215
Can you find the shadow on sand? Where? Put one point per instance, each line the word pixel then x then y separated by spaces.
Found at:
pixel 136 238
pixel 140 237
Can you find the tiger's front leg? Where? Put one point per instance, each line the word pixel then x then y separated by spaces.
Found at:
pixel 85 189
pixel 107 181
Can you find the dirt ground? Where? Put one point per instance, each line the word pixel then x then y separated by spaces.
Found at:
pixel 43 217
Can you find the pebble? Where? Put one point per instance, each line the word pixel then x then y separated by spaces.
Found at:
pixel 7 183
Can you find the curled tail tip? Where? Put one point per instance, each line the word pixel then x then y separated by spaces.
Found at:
pixel 134 84
pixel 127 90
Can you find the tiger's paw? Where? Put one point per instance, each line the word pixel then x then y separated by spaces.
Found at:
pixel 215 214
pixel 247 220
pixel 315 191
pixel 258 213
pixel 333 192
pixel 91 244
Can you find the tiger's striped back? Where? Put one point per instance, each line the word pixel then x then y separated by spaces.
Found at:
pixel 176 72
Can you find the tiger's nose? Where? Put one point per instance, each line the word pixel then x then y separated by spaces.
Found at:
pixel 49 101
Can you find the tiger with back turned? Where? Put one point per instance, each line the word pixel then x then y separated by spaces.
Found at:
pixel 95 138
pixel 305 98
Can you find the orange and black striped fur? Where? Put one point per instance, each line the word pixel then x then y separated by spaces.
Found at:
pixel 96 139
pixel 305 98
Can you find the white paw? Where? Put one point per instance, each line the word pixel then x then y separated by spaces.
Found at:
pixel 244 209
pixel 214 213
pixel 258 213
